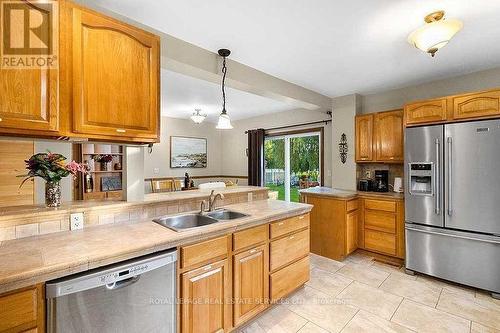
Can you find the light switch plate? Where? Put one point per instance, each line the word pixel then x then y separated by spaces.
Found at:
pixel 76 221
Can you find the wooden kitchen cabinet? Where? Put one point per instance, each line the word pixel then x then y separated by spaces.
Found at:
pixel 251 283
pixel 23 310
pixel 476 105
pixel 364 138
pixel 389 137
pixel 424 112
pixel 115 78
pixel 382 226
pixel 204 293
pixel 334 226
pixel 29 101
pixel 379 137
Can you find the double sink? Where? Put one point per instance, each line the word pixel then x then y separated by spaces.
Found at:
pixel 188 221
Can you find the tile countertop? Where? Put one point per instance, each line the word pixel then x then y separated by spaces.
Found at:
pixel 347 194
pixel 75 206
pixel 38 259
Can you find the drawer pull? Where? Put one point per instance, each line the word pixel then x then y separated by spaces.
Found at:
pixel 206 268
pixel 281 223
pixel 120 130
pixel 301 217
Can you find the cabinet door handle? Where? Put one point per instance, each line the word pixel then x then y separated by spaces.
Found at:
pixel 1 119
pixel 120 130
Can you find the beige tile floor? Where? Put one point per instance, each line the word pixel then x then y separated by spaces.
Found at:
pixel 361 295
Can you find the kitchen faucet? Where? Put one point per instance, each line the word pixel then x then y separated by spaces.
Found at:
pixel 211 201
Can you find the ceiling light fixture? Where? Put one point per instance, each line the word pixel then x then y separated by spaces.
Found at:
pixel 224 120
pixel 197 117
pixel 435 34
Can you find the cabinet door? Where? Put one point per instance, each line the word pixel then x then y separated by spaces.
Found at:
pixel 29 101
pixel 23 310
pixel 477 105
pixel 426 112
pixel 352 231
pixel 389 136
pixel 115 78
pixel 364 138
pixel 251 283
pixel 205 292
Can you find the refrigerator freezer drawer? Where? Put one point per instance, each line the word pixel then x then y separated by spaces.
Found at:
pixel 456 256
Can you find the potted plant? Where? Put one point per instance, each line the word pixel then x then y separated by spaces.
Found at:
pixel 104 160
pixel 52 168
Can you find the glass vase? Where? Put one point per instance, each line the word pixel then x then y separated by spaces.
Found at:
pixel 53 194
pixel 104 166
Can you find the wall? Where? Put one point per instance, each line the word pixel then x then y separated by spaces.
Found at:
pixel 160 157
pixel 234 142
pixel 345 109
pixel 395 99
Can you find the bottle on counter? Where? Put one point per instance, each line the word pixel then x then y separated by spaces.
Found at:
pixel 187 181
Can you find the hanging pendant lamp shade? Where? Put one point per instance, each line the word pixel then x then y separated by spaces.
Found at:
pixel 224 120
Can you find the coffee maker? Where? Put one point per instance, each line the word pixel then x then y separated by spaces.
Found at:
pixel 381 183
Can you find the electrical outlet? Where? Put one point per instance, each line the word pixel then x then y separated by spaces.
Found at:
pixel 156 171
pixel 76 221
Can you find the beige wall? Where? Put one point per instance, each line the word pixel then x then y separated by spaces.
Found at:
pixel 345 109
pixel 234 142
pixel 395 99
pixel 160 157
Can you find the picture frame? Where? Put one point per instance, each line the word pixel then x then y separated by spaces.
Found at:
pixel 188 152
pixel 111 183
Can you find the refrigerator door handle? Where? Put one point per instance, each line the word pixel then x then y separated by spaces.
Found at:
pixel 437 168
pixel 450 174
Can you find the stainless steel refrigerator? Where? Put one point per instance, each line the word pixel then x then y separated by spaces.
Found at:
pixel 452 202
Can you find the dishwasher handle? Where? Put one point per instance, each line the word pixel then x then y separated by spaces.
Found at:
pixel 123 283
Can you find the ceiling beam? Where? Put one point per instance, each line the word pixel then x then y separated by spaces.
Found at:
pixel 185 58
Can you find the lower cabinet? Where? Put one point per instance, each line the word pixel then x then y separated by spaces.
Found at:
pixel 23 310
pixel 250 283
pixel 204 293
pixel 226 281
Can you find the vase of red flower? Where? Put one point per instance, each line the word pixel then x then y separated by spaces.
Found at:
pixel 105 161
pixel 52 168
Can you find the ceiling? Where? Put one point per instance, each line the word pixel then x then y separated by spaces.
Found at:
pixel 332 47
pixel 181 94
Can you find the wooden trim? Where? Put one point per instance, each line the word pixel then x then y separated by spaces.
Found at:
pixel 194 177
pixel 321 130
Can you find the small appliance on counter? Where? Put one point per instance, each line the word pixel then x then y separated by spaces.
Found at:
pixel 381 183
pixel 398 185
pixel 365 185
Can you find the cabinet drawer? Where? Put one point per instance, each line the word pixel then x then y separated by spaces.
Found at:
pixel 387 206
pixel 289 278
pixel 284 227
pixel 379 220
pixel 202 252
pixel 352 205
pixel 249 237
pixel 20 310
pixel 380 241
pixel 288 249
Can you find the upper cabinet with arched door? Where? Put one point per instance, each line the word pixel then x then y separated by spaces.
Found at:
pixel 115 78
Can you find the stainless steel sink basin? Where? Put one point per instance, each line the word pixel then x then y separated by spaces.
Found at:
pixel 225 214
pixel 187 221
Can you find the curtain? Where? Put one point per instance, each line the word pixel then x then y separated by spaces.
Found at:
pixel 256 157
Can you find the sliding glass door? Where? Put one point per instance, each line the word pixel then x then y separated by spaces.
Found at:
pixel 292 161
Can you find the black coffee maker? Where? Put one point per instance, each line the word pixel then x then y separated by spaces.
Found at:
pixel 381 183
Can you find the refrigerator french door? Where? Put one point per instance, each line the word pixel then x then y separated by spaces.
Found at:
pixel 452 209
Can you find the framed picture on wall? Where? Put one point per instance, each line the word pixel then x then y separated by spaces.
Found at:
pixel 187 152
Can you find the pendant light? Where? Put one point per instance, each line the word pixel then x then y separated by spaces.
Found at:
pixel 197 117
pixel 224 120
pixel 435 34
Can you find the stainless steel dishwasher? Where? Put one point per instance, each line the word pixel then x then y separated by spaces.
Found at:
pixel 137 295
